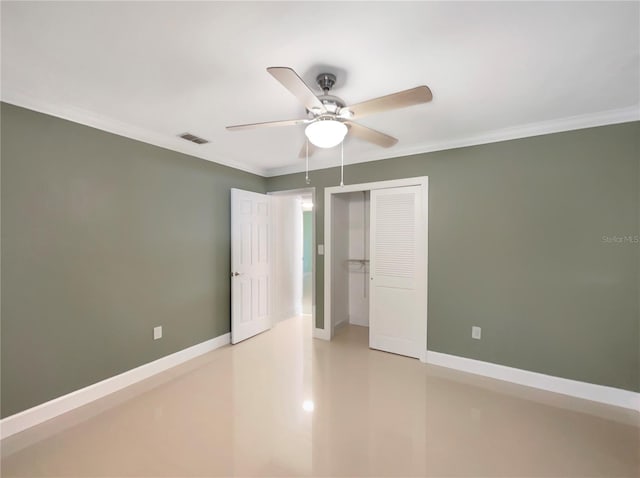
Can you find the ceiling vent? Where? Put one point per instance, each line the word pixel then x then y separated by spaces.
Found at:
pixel 193 138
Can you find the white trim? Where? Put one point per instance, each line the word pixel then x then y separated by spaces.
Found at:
pixel 342 324
pixel 391 183
pixel 422 181
pixel 574 388
pixel 81 116
pixel 111 125
pixel 322 334
pixel 48 410
pixel 590 120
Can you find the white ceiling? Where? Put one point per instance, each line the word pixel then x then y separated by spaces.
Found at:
pixel 153 70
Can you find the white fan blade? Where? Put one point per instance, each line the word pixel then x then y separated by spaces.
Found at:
pixel 267 124
pixel 371 135
pixel 292 82
pixel 402 99
pixel 303 150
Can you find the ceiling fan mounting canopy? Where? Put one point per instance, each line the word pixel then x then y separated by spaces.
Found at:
pixel 326 81
pixel 330 118
pixel 332 103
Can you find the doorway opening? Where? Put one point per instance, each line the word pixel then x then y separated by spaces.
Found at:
pixel 293 252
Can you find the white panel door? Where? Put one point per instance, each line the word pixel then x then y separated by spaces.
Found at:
pixel 250 264
pixel 398 291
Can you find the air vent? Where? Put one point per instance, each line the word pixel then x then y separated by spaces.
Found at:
pixel 193 138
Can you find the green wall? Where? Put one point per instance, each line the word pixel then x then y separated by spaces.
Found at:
pixel 516 246
pixel 307 241
pixel 104 238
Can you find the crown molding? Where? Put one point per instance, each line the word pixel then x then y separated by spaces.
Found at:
pixel 603 118
pixel 111 125
pixel 104 123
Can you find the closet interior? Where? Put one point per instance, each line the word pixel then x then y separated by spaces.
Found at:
pixel 350 259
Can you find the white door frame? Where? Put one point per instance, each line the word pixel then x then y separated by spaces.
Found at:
pixel 312 191
pixel 423 182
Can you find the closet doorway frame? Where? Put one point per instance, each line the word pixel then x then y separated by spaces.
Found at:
pixel 422 181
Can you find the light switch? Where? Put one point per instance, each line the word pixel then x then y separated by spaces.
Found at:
pixel 476 332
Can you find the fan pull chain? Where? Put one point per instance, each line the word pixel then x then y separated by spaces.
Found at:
pixel 306 178
pixel 342 164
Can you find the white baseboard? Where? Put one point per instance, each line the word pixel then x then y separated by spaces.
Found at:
pixel 574 388
pixel 48 410
pixel 339 325
pixel 359 320
pixel 323 334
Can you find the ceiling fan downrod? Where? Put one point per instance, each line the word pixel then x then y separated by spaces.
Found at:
pixel 326 81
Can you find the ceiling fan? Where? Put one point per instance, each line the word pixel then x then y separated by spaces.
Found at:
pixel 329 118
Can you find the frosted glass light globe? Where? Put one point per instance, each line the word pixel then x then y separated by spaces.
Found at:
pixel 326 133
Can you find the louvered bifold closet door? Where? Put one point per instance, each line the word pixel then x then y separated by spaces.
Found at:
pixel 398 278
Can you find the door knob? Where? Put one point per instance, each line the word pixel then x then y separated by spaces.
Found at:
pixel 235 274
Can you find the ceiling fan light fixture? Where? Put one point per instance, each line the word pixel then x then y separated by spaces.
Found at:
pixel 326 133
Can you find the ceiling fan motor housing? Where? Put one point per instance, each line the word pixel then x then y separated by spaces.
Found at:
pixel 332 103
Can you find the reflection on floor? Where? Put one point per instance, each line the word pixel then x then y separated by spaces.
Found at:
pixel 283 404
pixel 306 293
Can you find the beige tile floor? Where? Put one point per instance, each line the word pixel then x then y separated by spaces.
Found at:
pixel 240 411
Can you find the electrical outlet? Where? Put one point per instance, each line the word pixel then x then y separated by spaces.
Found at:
pixel 476 332
pixel 321 249
pixel 157 332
